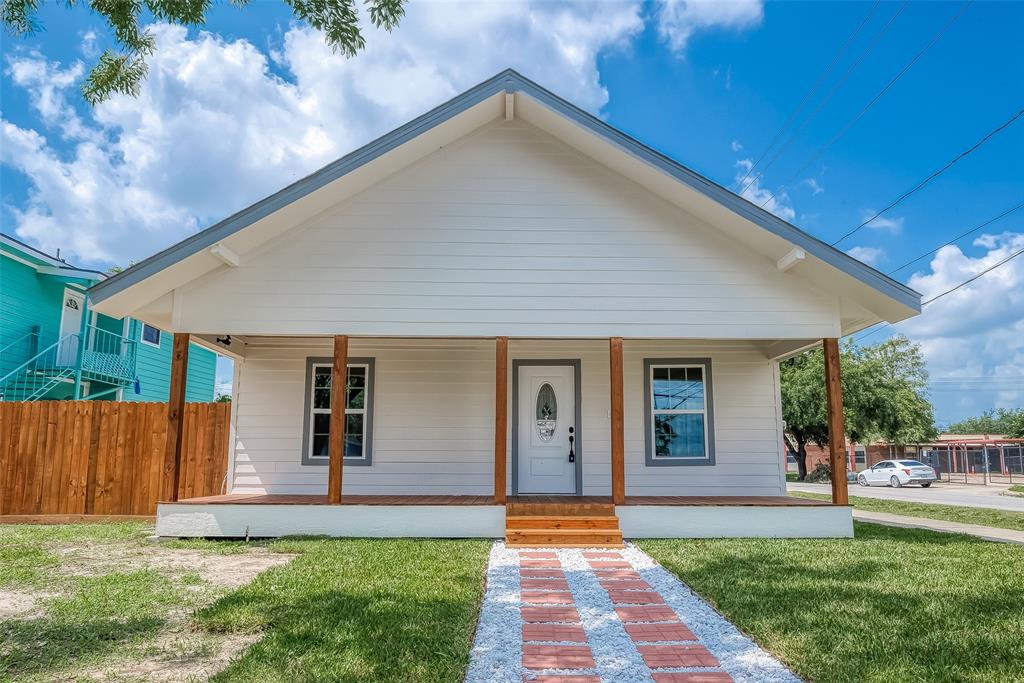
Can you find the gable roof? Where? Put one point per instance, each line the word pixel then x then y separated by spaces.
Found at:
pixel 508 82
pixel 46 264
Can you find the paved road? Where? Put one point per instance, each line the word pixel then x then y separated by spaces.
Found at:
pixel 946 494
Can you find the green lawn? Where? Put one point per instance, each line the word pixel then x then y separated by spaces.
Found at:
pixel 1016 488
pixel 890 605
pixel 358 610
pixel 1002 519
pixel 98 601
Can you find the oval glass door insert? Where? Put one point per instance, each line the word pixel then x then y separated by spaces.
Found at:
pixel 547 412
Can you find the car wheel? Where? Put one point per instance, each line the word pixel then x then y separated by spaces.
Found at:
pixel 894 481
pixel 862 480
pixel 924 486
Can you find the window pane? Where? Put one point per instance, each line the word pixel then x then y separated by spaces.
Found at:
pixel 322 378
pixel 322 399
pixel 353 436
pixel 320 445
pixel 679 436
pixel 357 377
pixel 150 334
pixel 356 398
pixel 678 389
pixel 546 412
pixel 321 423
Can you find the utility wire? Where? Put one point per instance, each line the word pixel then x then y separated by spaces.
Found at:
pixel 824 148
pixel 832 91
pixel 957 238
pixel 810 93
pixel 949 291
pixel 934 175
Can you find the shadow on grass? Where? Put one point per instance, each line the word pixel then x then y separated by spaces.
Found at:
pixel 44 647
pixel 833 609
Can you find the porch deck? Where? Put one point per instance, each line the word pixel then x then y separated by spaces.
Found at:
pixel 683 501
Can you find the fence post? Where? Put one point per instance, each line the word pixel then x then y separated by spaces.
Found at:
pixel 80 351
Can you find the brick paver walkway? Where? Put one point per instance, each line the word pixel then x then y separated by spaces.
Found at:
pixel 555 645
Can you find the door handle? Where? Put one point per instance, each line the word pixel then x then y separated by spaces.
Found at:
pixel 572 439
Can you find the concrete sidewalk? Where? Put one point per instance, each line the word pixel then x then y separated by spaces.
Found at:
pixel 986 532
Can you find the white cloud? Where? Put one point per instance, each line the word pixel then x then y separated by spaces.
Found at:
pixel 678 20
pixel 973 338
pixel 735 146
pixel 753 191
pixel 869 255
pixel 813 185
pixel 883 223
pixel 214 129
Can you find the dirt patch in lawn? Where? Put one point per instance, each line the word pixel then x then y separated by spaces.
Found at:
pixel 21 604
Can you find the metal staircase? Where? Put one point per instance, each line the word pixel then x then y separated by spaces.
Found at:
pixel 58 370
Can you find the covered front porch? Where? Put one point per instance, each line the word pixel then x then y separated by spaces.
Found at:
pixel 432 457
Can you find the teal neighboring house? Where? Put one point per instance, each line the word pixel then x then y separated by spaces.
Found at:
pixel 52 346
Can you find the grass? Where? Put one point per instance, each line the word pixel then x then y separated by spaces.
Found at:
pixel 1002 519
pixel 358 610
pixel 1017 489
pixel 890 605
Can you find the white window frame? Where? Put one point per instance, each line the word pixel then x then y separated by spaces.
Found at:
pixel 142 335
pixel 308 457
pixel 651 457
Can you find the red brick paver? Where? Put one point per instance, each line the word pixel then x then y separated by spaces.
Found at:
pixel 538 554
pixel 550 614
pixel 557 657
pixel 547 597
pixel 616 573
pixel 540 564
pixel 646 614
pixel 548 573
pixel 676 656
pixel 610 564
pixel 625 585
pixel 636 597
pixel 653 633
pixel 555 633
pixel 562 679
pixel 693 677
pixel 543 584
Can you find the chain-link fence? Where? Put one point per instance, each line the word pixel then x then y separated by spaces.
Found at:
pixel 976 463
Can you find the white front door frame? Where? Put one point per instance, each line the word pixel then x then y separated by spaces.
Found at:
pixel 67 354
pixel 574 363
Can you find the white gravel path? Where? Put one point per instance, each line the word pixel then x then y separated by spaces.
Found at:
pixel 740 656
pixel 497 653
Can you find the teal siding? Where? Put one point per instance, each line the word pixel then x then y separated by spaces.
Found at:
pixel 26 299
pixel 153 367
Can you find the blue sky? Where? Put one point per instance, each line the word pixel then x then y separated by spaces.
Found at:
pixel 709 84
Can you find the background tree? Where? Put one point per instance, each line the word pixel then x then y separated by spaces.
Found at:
pixel 123 71
pixel 883 396
pixel 1002 421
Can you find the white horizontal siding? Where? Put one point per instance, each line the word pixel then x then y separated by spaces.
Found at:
pixel 507 232
pixel 434 416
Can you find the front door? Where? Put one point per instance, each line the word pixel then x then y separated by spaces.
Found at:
pixel 70 323
pixel 547 439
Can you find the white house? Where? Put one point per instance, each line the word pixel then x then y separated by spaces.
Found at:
pixel 539 316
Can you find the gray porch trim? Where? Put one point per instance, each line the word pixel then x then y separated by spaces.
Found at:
pixel 307 427
pixel 507 81
pixel 577 382
pixel 709 409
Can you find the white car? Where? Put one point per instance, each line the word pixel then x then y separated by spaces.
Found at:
pixel 897 473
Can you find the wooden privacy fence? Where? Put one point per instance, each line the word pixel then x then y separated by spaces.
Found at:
pixel 104 457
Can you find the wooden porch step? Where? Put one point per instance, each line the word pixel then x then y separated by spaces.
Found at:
pixel 568 509
pixel 561 522
pixel 597 538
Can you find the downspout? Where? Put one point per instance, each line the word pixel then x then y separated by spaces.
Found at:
pixel 80 352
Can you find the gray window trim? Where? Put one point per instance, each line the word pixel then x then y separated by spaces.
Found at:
pixel 307 426
pixel 529 362
pixel 709 414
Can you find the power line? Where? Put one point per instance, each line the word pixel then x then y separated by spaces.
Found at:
pixel 937 173
pixel 810 93
pixel 824 148
pixel 958 238
pixel 948 291
pixel 831 93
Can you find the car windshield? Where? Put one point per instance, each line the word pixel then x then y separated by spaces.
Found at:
pixel 912 463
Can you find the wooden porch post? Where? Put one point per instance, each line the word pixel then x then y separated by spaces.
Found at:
pixel 836 433
pixel 175 417
pixel 500 418
pixel 618 439
pixel 336 440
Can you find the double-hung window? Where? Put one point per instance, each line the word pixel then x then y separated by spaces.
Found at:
pixel 678 411
pixel 150 335
pixel 358 412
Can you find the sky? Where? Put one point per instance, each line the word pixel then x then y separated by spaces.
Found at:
pixel 840 108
